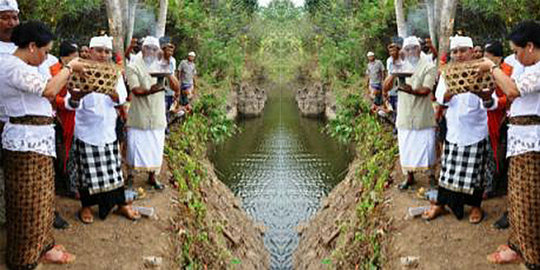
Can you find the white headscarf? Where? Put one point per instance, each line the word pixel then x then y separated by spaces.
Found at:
pixel 9 5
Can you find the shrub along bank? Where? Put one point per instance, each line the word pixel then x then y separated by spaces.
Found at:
pixel 211 231
pixel 348 231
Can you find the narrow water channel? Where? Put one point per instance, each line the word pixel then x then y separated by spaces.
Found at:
pixel 281 165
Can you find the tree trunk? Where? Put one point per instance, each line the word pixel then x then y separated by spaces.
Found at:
pixel 448 13
pixel 400 18
pixel 162 18
pixel 116 23
pixel 130 21
pixel 433 27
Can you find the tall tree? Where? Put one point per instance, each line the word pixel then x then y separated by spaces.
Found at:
pixel 447 15
pixel 116 12
pixel 130 20
pixel 162 18
pixel 400 18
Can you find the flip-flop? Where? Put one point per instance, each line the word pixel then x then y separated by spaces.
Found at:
pixel 88 221
pixel 132 217
pixel 436 213
pixel 476 218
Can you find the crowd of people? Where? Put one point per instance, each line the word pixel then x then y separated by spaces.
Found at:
pixel 54 133
pixel 490 138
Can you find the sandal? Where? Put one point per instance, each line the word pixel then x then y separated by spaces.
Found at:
pixel 434 212
pixel 128 212
pixel 85 216
pixel 57 255
pixel 504 255
pixel 476 216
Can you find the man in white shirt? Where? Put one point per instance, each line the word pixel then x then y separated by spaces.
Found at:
pixel 95 146
pixel 464 160
pixel 9 19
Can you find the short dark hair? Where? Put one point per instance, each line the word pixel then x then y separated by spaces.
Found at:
pixel 524 32
pixel 495 48
pixel 32 31
pixel 67 48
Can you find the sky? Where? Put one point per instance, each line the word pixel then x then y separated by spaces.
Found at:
pixel 297 3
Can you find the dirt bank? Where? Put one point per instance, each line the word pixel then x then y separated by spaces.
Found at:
pixel 116 243
pixel 444 243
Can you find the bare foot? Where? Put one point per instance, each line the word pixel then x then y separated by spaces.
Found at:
pixel 504 255
pixel 434 212
pixel 58 255
pixel 128 212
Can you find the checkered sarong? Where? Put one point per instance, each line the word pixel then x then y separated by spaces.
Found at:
pixel 98 167
pixel 464 167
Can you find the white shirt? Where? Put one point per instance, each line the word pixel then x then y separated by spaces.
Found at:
pixel 22 94
pixel 523 139
pixel 95 120
pixel 466 118
pixel 6 48
pixel 517 67
pixel 45 67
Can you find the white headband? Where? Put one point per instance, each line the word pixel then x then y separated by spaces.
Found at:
pixel 411 41
pixel 151 41
pixel 102 41
pixel 460 42
pixel 9 5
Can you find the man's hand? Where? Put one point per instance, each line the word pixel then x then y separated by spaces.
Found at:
pixel 406 88
pixel 156 88
pixel 484 94
pixel 77 94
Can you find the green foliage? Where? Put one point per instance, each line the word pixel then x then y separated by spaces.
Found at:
pixel 377 150
pixel 185 151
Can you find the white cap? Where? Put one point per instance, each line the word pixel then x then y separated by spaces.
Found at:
pixel 370 54
pixel 151 41
pixel 459 42
pixel 9 5
pixel 101 41
pixel 192 54
pixel 411 41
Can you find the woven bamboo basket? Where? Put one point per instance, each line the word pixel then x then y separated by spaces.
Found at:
pixel 98 77
pixel 465 77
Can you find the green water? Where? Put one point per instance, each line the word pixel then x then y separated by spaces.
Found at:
pixel 281 165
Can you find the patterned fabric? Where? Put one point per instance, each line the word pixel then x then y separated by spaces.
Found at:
pixel 464 167
pixel 27 138
pixel 524 199
pixel 529 83
pixel 29 203
pixel 99 167
pixel 517 145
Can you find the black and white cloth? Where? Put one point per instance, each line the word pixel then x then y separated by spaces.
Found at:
pixel 98 167
pixel 464 168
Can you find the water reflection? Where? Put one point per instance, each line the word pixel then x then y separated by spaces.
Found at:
pixel 281 166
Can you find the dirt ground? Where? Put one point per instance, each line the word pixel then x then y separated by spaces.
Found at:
pixel 444 243
pixel 115 243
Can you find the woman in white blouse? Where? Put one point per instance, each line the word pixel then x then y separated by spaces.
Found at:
pixel 523 148
pixel 28 146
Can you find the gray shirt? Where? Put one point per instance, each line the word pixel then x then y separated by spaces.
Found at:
pixel 168 90
pixel 187 72
pixel 390 67
pixel 375 71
